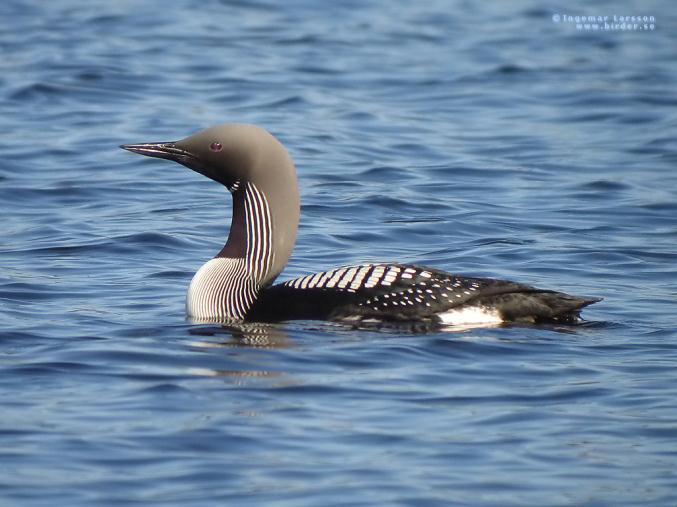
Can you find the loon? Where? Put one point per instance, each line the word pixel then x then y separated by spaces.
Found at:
pixel 237 284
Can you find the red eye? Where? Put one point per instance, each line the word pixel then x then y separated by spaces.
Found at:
pixel 215 146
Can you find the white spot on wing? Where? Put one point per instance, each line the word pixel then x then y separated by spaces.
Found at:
pixel 375 277
pixel 350 274
pixel 313 281
pixel 336 277
pixel 357 281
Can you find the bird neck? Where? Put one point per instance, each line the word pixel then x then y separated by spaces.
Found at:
pixel 262 232
pixel 259 244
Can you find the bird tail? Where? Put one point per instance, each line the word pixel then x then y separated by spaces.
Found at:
pixel 540 306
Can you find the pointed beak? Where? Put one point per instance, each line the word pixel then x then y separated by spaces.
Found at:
pixel 168 151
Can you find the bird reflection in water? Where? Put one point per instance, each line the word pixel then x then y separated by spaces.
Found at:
pixel 238 335
pixel 244 334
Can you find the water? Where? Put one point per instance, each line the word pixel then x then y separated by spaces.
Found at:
pixel 478 138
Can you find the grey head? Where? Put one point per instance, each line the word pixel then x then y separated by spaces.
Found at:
pixel 242 157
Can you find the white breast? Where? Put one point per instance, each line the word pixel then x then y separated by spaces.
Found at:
pixel 221 290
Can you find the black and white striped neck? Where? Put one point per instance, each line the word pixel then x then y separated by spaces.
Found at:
pixel 251 231
pixel 225 287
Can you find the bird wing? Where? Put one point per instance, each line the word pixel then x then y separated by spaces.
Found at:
pixel 396 292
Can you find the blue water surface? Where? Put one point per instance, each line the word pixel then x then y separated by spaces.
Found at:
pixel 481 138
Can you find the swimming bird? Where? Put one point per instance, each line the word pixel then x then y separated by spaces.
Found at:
pixel 237 284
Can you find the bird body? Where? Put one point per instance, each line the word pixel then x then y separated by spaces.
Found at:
pixel 237 284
